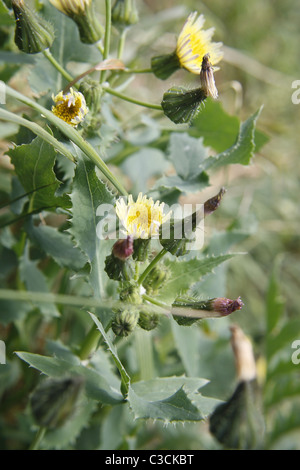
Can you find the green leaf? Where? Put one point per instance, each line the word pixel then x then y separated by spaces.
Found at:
pixel 185 273
pixel 5 18
pixel 96 386
pixel 88 193
pixel 35 281
pixel 243 149
pixel 34 164
pixel 56 244
pixel 275 302
pixel 124 375
pixel 162 387
pixel 187 155
pixel 181 405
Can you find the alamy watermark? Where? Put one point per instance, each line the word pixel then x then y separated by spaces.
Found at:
pixel 296 95
pixel 2 92
pixel 185 226
pixel 296 354
pixel 2 352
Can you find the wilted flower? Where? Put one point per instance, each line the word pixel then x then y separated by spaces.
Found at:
pixel 70 107
pixel 82 13
pixel 141 219
pixel 193 45
pixel 33 33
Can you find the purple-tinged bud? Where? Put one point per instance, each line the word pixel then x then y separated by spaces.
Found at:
pixel 213 203
pixel 226 306
pixel 123 249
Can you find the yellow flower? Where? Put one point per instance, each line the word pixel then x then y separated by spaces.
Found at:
pixel 70 107
pixel 194 43
pixel 141 219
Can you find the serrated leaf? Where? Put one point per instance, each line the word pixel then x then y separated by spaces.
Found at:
pixel 35 281
pixel 187 155
pixel 96 386
pixel 57 244
pixel 162 387
pixel 88 193
pixel 176 407
pixel 34 164
pixel 242 151
pixel 185 273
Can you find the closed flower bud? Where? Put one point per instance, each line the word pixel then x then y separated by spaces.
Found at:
pixel 33 33
pixel 118 269
pixel 124 323
pixel 54 401
pixel 188 310
pixel 122 249
pixel 213 203
pixel 238 423
pixel 82 13
pixel 181 105
pixel 92 91
pixel 176 234
pixel 148 321
pixel 131 294
pixel 155 279
pixel 124 13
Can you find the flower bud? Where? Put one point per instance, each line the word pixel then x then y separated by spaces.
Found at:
pixel 213 203
pixel 118 269
pixel 155 279
pixel 238 423
pixel 188 310
pixel 54 401
pixel 183 228
pixel 182 105
pixel 124 323
pixel 131 294
pixel 124 13
pixel 33 33
pixel 82 13
pixel 148 321
pixel 122 249
pixel 92 91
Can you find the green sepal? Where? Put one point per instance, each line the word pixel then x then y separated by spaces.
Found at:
pixel 182 105
pixel 119 270
pixel 141 249
pixel 33 33
pixel 163 66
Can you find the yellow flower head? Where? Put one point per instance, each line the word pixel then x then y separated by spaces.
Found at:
pixel 71 7
pixel 70 107
pixel 194 43
pixel 141 219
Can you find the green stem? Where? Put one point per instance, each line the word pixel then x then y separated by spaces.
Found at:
pixel 38 438
pixel 106 37
pixel 121 43
pixel 73 135
pixel 144 352
pixel 156 302
pixel 131 100
pixel 38 130
pixel 58 67
pixel 137 71
pixel 149 268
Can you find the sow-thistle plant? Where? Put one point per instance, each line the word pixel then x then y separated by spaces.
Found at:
pixel 147 274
